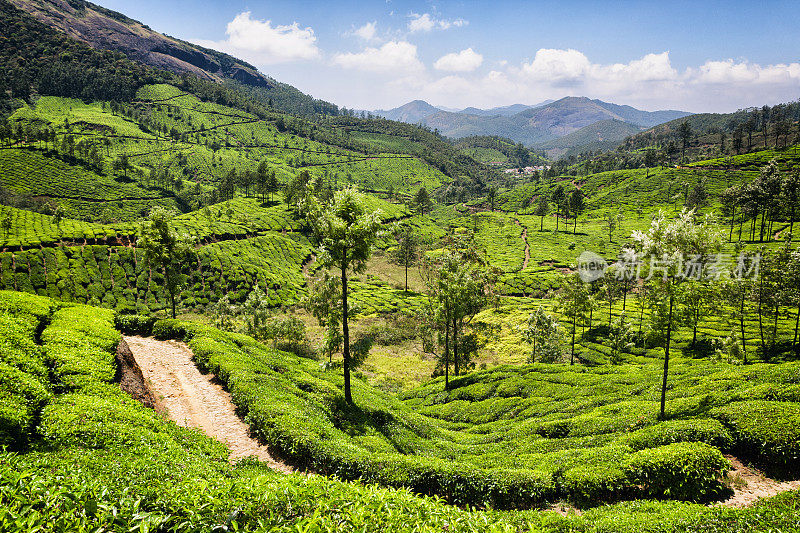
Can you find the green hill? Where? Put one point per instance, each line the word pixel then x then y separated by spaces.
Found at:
pixel 598 136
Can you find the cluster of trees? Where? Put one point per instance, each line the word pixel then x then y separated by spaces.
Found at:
pixel 680 276
pixel 771 197
pixel 86 151
pixel 262 182
pixel 255 318
pixel 460 284
pixel 567 204
pixel 743 131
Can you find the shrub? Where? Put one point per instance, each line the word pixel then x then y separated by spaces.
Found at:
pixel 706 430
pixel 683 470
pixel 21 396
pixel 767 430
pixel 169 329
pixel 135 324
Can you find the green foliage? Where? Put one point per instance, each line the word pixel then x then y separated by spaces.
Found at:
pixel 707 430
pixel 166 250
pixel 543 334
pixel 765 429
pixel 79 346
pixel 134 324
pixel 684 470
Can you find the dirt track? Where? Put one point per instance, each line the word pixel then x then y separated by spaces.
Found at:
pixel 193 399
pixel 196 400
pixel 757 485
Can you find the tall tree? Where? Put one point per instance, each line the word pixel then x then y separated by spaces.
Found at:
pixel 405 253
pixel 573 302
pixel 346 233
pixel 611 222
pixel 576 204
pixel 543 334
pixel 422 200
pixel 491 195
pixel 542 209
pixel 459 286
pixel 166 249
pixel 558 197
pixel 668 243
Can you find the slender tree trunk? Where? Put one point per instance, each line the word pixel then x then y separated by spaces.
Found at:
pixel 796 327
pixel 406 263
pixel 624 295
pixel 456 364
pixel 775 328
pixel 447 353
pixel 760 313
pixel 345 334
pixel 741 325
pixel 666 360
pixel 733 216
pixel 558 212
pixel 541 224
pixel 172 297
pixel 572 356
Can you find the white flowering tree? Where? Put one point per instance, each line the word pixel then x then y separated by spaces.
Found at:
pixel 678 250
pixel 544 336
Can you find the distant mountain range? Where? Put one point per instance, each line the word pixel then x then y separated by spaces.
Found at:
pixel 575 121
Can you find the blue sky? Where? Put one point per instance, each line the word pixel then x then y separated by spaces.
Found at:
pixel 696 56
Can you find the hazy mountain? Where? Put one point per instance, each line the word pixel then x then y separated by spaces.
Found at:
pixel 535 124
pixel 602 135
pixel 505 111
pixel 412 112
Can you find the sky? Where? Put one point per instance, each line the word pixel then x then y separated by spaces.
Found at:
pixel 698 56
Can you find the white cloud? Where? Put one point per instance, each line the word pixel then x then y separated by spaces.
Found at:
pixel 557 66
pixel 393 57
pixel 264 44
pixel 648 82
pixel 367 31
pixel 652 67
pixel 466 60
pixel 425 23
pixel 728 71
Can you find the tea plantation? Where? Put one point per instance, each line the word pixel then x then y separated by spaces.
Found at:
pixel 91 457
pixel 506 443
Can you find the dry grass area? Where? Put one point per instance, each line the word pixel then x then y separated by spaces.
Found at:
pixel 380 267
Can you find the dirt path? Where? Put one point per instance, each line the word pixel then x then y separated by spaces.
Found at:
pixel 193 399
pixel 749 484
pixel 527 246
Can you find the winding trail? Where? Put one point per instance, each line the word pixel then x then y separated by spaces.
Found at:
pixel 755 485
pixel 196 400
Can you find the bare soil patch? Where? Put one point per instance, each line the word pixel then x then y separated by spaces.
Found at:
pixel 749 484
pixel 196 400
